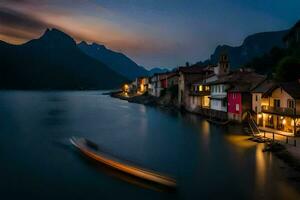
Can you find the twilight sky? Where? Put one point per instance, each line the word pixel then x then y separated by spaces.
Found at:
pixel 151 32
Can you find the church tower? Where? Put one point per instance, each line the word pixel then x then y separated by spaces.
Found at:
pixel 223 67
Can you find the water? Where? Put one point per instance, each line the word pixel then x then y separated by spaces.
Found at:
pixel 209 162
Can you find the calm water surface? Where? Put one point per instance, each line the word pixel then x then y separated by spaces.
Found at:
pixel 209 162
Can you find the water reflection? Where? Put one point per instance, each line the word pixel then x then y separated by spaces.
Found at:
pixel 210 161
pixel 260 169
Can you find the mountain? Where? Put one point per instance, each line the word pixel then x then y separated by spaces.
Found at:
pixel 283 64
pixel 53 61
pixel 118 62
pixel 157 70
pixel 253 46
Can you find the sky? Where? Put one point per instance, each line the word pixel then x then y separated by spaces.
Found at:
pixel 154 33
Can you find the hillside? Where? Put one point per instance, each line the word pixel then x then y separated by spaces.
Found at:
pixel 53 61
pixel 118 62
pixel 253 46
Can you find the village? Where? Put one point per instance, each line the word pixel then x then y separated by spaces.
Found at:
pixel 269 108
pixel 223 95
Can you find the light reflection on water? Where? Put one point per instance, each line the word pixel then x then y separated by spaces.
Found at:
pixel 260 168
pixel 209 161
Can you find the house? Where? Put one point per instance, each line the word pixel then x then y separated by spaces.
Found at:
pixel 141 84
pixel 218 94
pixel 133 87
pixel 187 76
pixel 156 84
pixel 257 100
pixel 172 79
pixel 194 89
pixel 162 81
pixel 125 88
pixel 231 97
pixel 239 95
pixel 199 97
pixel 213 82
pixel 277 107
pixel 293 36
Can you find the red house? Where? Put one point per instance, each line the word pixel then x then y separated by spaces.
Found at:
pixel 239 96
pixel 163 83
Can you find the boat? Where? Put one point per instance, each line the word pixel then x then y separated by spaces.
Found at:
pixel 91 150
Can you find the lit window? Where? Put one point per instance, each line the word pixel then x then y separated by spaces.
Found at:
pixel 200 88
pixel 237 107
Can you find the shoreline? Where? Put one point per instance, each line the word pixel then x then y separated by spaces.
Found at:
pixel 281 151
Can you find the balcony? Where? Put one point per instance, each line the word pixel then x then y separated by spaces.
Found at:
pixel 280 111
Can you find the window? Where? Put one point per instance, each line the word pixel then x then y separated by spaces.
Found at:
pixel 276 103
pixel 237 107
pixel 224 103
pixel 200 88
pixel 256 97
pixel 290 103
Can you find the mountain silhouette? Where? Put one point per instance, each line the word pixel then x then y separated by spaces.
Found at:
pixel 253 46
pixel 118 62
pixel 53 61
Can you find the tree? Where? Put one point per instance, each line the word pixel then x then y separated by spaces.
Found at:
pixel 288 69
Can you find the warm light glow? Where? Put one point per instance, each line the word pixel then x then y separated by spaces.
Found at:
pixel 200 88
pixel 270 116
pixel 259 116
pixel 281 118
pixel 292 123
pixel 284 122
pixel 125 88
pixel 206 101
pixel 142 88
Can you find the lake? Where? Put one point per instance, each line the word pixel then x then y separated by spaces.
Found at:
pixel 209 162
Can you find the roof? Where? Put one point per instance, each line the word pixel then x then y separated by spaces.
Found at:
pixel 240 81
pixel 292 88
pixel 264 86
pixel 192 69
pixel 164 75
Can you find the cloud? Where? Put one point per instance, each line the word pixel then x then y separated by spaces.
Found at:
pixel 16 19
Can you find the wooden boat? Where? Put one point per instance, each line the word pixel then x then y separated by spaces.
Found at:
pixel 90 150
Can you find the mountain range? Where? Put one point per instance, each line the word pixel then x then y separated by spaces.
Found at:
pixel 253 46
pixel 53 61
pixel 157 70
pixel 118 62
